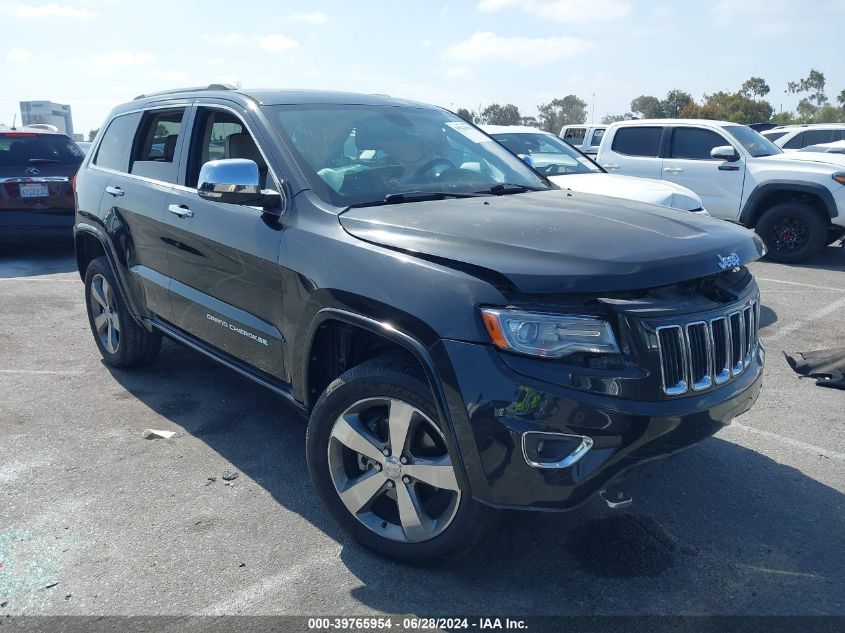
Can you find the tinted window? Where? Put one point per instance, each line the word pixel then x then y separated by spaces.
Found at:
pixel 695 143
pixel 796 142
pixel 814 137
pixel 575 135
pixel 210 140
pixel 359 154
pixel 113 152
pixel 597 136
pixel 637 141
pixel 773 136
pixel 155 151
pixel 22 149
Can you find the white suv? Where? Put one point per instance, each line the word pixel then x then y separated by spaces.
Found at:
pixel 796 206
pixel 791 138
pixel 585 138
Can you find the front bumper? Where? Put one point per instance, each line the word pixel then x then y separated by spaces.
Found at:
pixel 491 407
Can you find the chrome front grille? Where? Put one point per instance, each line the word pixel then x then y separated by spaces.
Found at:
pixel 701 354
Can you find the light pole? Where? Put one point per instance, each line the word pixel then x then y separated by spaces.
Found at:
pixel 593 112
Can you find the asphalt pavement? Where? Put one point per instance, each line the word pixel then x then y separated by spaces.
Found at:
pixel 94 519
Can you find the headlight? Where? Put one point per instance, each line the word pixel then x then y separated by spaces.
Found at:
pixel 549 335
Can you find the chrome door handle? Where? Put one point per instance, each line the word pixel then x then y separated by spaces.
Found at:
pixel 181 210
pixel 673 170
pixel 610 166
pixel 114 191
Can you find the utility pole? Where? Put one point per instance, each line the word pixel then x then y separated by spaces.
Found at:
pixel 593 113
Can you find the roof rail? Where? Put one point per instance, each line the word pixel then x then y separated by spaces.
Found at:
pixel 191 89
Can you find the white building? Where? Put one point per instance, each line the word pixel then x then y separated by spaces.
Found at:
pixel 47 112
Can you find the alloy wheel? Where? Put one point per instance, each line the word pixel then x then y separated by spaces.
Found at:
pixel 391 469
pixel 789 234
pixel 104 313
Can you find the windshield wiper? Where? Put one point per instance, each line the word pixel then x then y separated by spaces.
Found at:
pixel 504 188
pixel 420 196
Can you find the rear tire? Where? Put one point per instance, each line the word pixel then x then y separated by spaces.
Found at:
pixel 792 232
pixel 400 515
pixel 121 341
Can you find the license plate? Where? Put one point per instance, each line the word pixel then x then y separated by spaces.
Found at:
pixel 34 190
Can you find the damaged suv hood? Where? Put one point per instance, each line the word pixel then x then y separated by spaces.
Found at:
pixel 553 241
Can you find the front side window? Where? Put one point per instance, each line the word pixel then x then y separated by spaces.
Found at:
pixel 25 149
pixel 753 142
pixel 638 141
pixel 113 152
pixel 360 154
pixel 550 155
pixel 695 143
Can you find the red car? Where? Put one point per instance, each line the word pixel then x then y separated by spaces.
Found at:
pixel 37 168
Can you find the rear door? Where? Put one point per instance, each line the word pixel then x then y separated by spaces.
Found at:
pixel 143 174
pixel 226 286
pixel 633 151
pixel 719 183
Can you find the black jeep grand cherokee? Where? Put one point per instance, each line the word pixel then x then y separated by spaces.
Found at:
pixel 463 334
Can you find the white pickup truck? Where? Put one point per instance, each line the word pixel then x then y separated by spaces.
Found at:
pixel 796 206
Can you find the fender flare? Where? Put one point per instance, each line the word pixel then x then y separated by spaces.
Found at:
pixel 117 270
pixel 751 210
pixel 416 349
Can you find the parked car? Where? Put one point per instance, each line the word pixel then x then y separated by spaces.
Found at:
pixel 570 169
pixel 461 336
pixel 37 167
pixel 837 147
pixel 584 138
pixel 791 138
pixel 796 206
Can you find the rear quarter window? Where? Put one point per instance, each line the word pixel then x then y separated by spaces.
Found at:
pixel 114 149
pixel 637 141
pixel 575 135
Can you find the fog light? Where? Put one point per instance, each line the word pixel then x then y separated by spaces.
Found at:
pixel 553 450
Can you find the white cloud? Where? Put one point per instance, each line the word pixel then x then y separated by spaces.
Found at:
pixel 118 58
pixel 18 55
pixel 53 10
pixel 314 18
pixel 568 11
pixel 489 47
pixel 276 43
pixel 167 75
pixel 229 40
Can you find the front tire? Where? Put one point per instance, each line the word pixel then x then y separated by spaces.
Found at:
pixel 380 464
pixel 121 341
pixel 792 232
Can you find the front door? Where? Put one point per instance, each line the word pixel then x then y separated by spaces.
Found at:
pixel 718 183
pixel 225 282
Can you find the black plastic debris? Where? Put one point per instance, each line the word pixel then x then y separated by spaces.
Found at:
pixel 827 366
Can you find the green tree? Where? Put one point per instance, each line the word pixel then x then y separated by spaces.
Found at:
pixel 755 87
pixel 736 107
pixel 559 112
pixel 813 85
pixel 840 99
pixel 829 114
pixel 530 121
pixel 92 134
pixel 675 103
pixel 647 107
pixel 466 115
pixel 613 118
pixel 496 114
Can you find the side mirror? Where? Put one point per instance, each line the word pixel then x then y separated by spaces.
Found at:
pixel 526 158
pixel 236 181
pixel 724 152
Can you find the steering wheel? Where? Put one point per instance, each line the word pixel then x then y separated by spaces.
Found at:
pixel 432 164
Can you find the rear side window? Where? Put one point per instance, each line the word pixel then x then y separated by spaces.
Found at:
pixel 575 135
pixel 637 141
pixel 814 137
pixel 154 155
pixel 796 142
pixel 113 152
pixel 595 141
pixel 24 149
pixel 695 143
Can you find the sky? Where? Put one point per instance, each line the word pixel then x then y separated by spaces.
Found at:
pixel 95 54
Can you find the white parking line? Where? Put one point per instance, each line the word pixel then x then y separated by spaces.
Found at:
pixel 798 283
pixel 802 446
pixel 802 323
